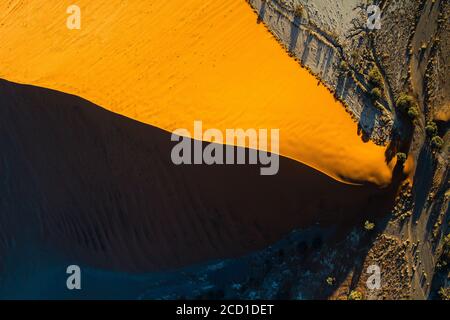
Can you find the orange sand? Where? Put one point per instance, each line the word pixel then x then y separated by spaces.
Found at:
pixel 168 63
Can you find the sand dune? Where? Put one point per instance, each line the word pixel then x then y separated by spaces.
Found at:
pixel 99 189
pixel 168 63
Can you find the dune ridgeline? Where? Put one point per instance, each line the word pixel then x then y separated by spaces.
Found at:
pixel 169 63
pixel 95 172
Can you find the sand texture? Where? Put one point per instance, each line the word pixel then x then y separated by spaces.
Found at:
pixel 168 63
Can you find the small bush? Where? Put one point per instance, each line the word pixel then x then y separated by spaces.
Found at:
pixel 375 78
pixel 331 281
pixel 431 128
pixel 413 113
pixel 355 295
pixel 444 293
pixel 401 157
pixel 447 242
pixel 444 259
pixel 344 66
pixel 369 226
pixel 298 11
pixel 375 94
pixel 437 142
pixel 405 102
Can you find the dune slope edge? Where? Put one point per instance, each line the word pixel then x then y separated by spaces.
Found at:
pixel 101 189
pixel 168 63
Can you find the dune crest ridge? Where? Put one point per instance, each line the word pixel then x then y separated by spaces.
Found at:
pixel 169 63
pixel 101 190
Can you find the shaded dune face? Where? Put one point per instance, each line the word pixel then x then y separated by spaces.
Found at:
pixel 101 189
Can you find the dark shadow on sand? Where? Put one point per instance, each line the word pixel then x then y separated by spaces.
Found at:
pixel 101 189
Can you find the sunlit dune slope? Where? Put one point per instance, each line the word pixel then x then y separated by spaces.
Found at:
pixel 98 188
pixel 168 63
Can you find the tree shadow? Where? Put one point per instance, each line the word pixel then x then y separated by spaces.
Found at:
pixel 400 139
pixel 328 60
pixel 423 179
pixel 342 87
pixel 306 49
pixel 261 13
pixel 295 32
pixel 366 123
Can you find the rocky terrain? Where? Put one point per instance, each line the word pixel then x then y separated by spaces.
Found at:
pixel 406 59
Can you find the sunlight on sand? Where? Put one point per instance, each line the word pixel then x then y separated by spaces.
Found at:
pixel 168 63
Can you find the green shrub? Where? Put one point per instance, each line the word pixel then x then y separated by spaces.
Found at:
pixel 444 259
pixel 405 102
pixel 344 66
pixel 408 104
pixel 375 78
pixel 444 293
pixel 298 11
pixel 355 295
pixel 437 142
pixel 331 281
pixel 431 128
pixel 401 157
pixel 447 241
pixel 369 226
pixel 375 94
pixel 445 256
pixel 413 113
